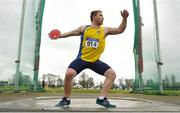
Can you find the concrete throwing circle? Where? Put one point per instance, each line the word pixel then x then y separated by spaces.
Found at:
pixel 79 104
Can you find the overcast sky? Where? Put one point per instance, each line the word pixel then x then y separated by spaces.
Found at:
pixel 66 15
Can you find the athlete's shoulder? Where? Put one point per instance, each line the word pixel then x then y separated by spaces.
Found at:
pixel 106 30
pixel 83 27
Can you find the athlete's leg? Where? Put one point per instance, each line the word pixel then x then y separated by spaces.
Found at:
pixel 103 69
pixel 70 74
pixel 108 82
pixel 74 68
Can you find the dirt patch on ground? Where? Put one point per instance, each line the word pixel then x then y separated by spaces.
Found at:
pixel 160 98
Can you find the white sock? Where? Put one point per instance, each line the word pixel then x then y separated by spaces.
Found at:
pixel 68 98
pixel 101 97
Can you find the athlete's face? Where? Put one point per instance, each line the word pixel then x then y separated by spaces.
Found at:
pixel 99 18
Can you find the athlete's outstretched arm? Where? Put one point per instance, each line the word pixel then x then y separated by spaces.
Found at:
pixel 122 26
pixel 75 32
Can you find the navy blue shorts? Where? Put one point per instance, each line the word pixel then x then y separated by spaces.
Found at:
pixel 99 67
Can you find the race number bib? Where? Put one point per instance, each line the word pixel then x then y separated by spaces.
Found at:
pixel 91 42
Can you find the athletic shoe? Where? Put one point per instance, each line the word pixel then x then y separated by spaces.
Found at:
pixel 63 103
pixel 104 102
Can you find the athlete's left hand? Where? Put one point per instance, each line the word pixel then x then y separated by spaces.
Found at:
pixel 124 14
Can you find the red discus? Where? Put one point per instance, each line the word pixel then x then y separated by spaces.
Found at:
pixel 54 34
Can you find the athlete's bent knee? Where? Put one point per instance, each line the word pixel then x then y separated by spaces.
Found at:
pixel 70 74
pixel 110 73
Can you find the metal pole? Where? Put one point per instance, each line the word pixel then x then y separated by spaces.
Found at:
pixel 136 41
pixel 158 61
pixel 39 18
pixel 140 59
pixel 20 45
pixel 37 46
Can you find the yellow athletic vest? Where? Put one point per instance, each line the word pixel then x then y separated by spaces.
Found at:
pixel 92 44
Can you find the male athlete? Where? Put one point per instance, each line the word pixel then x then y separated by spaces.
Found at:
pixel 91 47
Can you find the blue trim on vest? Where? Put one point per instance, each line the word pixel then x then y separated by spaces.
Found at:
pixel 80 48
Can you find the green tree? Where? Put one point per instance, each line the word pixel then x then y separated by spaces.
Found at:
pixel 115 86
pixel 59 82
pixel 83 80
pixel 166 82
pixel 90 82
pixel 173 78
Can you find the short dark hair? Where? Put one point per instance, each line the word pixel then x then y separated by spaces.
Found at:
pixel 94 13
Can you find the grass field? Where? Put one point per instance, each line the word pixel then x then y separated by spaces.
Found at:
pixel 60 90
